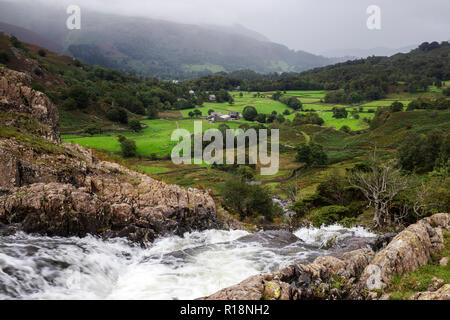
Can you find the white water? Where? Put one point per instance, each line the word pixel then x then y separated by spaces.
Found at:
pixel 201 263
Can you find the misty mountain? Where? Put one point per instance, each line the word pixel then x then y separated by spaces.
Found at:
pixel 160 48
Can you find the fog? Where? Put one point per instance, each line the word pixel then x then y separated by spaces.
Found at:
pixel 316 26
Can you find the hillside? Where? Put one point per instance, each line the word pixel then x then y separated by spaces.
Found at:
pixel 159 48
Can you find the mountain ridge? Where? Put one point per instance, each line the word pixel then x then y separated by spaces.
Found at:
pixel 161 48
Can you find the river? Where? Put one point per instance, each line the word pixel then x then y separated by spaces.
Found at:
pixel 189 267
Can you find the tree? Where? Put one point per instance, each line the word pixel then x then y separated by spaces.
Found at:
pixel 197 113
pixel 135 125
pixel 117 115
pixel 397 107
pixel 191 114
pixel 93 129
pixel 210 112
pixel 80 95
pixel 261 118
pixel 247 200
pixel 250 113
pixel 424 152
pixel 152 112
pixel 128 148
pixel 340 113
pixel 42 52
pixel 69 104
pixel 379 185
pixel 311 154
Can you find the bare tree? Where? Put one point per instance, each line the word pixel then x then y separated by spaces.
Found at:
pixel 379 184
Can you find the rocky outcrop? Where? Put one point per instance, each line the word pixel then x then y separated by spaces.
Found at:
pixel 442 293
pixel 358 274
pixel 409 250
pixel 17 96
pixel 62 189
pixel 326 278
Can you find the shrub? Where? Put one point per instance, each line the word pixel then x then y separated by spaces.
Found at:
pixel 247 200
pixel 42 53
pixel 397 106
pixel 329 215
pixel 135 125
pixel 80 95
pixel 128 148
pixel 311 154
pixel 117 115
pixel 250 113
pixel 309 118
pixel 15 42
pixel 69 104
pixel 92 130
pixel 340 113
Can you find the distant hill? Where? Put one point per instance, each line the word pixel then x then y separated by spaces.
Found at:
pixel 159 48
pixel 30 37
pixel 364 53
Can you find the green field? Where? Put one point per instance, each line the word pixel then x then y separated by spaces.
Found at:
pixel 154 139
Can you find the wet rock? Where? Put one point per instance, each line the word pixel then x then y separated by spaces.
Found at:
pixel 272 239
pixel 355 274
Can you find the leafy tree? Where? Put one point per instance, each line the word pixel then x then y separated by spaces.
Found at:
pixel 117 115
pixel 250 113
pixel 128 148
pixel 397 107
pixel 70 104
pixel 93 129
pixel 424 152
pixel 308 118
pixel 286 112
pixel 247 200
pixel 261 118
pixel 311 154
pixel 280 119
pixel 80 95
pixel 135 125
pixel 152 112
pixel 340 113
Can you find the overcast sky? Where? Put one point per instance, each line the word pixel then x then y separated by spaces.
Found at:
pixel 312 25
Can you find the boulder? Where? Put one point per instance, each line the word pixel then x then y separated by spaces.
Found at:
pixel 442 294
pixel 410 249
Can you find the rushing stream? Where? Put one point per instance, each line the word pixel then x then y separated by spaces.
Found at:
pixel 201 263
